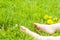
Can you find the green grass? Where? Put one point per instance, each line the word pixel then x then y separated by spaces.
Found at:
pixel 25 12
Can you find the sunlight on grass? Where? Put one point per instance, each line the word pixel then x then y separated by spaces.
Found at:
pixel 26 12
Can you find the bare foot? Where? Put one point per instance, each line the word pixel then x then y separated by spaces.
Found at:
pixel 46 28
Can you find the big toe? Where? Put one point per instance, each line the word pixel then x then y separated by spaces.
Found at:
pixel 35 24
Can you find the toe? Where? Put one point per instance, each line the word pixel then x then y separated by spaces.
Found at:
pixel 22 28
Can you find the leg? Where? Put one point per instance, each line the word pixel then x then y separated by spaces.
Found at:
pixel 57 25
pixel 50 38
pixel 22 28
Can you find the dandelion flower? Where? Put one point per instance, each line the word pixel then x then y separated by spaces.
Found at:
pixel 50 21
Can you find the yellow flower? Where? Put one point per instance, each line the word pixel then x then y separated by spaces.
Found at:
pixel 50 21
pixel 55 19
pixel 46 17
pixel 49 17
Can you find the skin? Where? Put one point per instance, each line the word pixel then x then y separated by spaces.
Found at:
pixel 37 36
pixel 47 28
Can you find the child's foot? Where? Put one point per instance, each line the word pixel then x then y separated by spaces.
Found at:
pixel 46 28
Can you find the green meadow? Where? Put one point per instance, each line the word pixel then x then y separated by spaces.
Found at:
pixel 14 13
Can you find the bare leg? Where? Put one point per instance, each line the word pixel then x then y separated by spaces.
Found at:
pixel 57 25
pixel 22 28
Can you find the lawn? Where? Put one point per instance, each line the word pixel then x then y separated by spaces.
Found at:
pixel 14 13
